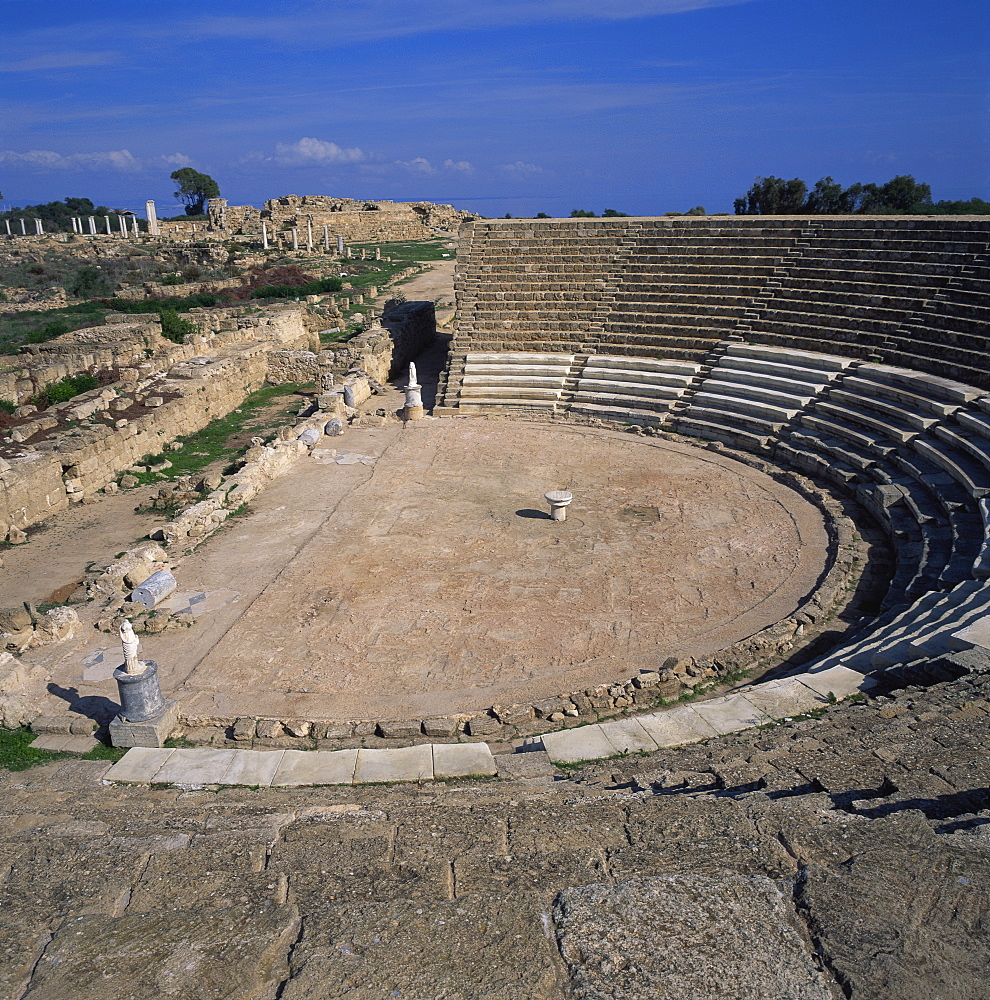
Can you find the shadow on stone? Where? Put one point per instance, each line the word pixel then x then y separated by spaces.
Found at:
pixel 93 706
pixel 530 512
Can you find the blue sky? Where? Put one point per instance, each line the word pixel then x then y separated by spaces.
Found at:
pixel 520 106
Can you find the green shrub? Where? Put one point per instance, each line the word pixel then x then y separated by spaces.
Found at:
pixel 48 332
pixel 174 327
pixel 7 405
pixel 65 389
pixel 87 283
pixel 173 279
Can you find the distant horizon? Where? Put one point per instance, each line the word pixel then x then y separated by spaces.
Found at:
pixel 641 106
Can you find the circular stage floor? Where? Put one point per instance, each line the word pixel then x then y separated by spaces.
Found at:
pixel 431 580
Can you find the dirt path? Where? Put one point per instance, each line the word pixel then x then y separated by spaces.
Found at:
pixel 435 285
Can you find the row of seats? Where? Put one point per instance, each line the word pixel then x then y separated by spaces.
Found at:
pixel 912 291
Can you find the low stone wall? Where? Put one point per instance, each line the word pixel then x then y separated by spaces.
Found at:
pixel 156 401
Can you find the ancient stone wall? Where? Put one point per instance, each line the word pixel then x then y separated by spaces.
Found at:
pixel 73 449
pixel 908 289
pixel 355 221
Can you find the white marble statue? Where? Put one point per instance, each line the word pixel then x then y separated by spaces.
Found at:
pixel 130 642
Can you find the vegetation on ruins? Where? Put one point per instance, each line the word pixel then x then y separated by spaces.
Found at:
pixel 65 389
pixel 901 195
pixel 226 438
pixel 194 189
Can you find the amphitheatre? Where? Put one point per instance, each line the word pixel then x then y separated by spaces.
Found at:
pixel 719 732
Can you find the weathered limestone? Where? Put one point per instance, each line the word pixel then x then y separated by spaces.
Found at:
pixel 152 217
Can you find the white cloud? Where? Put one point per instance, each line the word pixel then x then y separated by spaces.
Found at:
pixel 521 169
pixel 462 166
pixel 177 159
pixel 307 152
pixel 418 165
pixel 47 159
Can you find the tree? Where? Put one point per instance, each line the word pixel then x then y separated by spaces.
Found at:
pixel 580 213
pixel 828 198
pixel 773 196
pixel 194 189
pixel 542 215
pixel 611 213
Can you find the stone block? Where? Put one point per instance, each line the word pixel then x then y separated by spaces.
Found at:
pixel 252 767
pixel 335 731
pixel 152 733
pixel 544 709
pixel 196 767
pixel 53 724
pixel 270 729
pixel 298 728
pixel 315 767
pixel 458 760
pixel 400 730
pixel 405 764
pixel 513 715
pixel 483 725
pixel 584 743
pixel 244 729
pixel 441 727
pixel 139 765
pixel 676 727
pixel 628 735
pixel 730 714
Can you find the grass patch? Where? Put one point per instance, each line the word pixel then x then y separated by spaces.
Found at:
pixel 17 754
pixel 202 448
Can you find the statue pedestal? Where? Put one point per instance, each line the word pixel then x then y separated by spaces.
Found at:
pixel 413 410
pixel 146 719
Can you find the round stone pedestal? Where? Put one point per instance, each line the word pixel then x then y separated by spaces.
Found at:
pixel 140 694
pixel 559 501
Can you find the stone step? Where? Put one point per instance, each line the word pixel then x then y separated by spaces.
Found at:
pixel 972 475
pixel 764 411
pixel 757 391
pixel 802 359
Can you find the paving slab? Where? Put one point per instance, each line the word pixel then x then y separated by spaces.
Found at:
pixel 195 767
pixel 840 681
pixel 401 764
pixel 252 767
pixel 628 735
pixel 676 727
pixel 139 765
pixel 60 743
pixel 457 760
pixel 784 697
pixel 315 767
pixel 730 713
pixel 583 743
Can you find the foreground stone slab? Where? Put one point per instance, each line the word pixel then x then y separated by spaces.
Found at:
pixel 458 760
pixel 685 937
pixel 782 698
pixel 252 767
pixel 627 735
pixel 730 714
pixel 64 744
pixel 676 727
pixel 840 681
pixel 977 634
pixel 139 765
pixel 316 767
pixel 406 764
pixel 571 745
pixel 236 953
pixel 195 767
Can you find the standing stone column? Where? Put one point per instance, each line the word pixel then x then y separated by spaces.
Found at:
pixel 123 226
pixel 378 253
pixel 413 410
pixel 146 719
pixel 326 238
pixel 106 219
pixel 7 222
pixel 264 235
pixel 39 229
pixel 559 501
pixel 152 216
pixel 309 235
pixel 135 229
pixel 24 231
pixel 295 239
pixel 340 245
pixel 75 227
pixel 92 226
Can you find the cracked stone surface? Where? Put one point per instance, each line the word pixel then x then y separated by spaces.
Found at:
pixel 843 856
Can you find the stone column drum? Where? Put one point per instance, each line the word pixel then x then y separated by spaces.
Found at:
pixel 559 501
